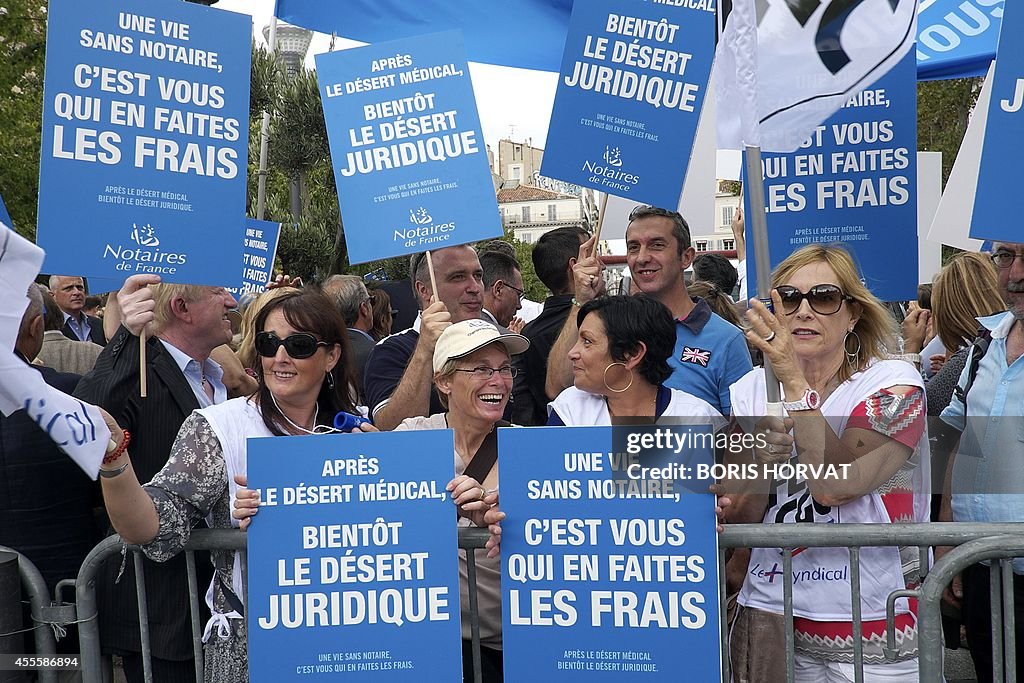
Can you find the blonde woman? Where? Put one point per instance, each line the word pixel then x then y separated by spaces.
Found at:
pixel 849 406
pixel 964 290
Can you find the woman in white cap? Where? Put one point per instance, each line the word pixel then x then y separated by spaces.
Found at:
pixel 473 373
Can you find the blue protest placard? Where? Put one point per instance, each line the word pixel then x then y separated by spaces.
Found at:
pixel 956 39
pixel 145 139
pixel 5 217
pixel 353 562
pixel 261 238
pixel 408 155
pixel 998 201
pixel 633 80
pixel 260 247
pixel 854 182
pixel 609 554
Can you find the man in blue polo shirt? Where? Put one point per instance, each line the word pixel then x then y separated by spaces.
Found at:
pixel 710 353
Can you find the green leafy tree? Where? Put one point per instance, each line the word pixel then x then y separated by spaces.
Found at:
pixel 943 112
pixel 22 50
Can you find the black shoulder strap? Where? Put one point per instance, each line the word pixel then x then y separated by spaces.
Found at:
pixel 979 347
pixel 486 455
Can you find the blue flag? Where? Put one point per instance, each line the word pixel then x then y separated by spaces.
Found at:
pixel 957 38
pixel 599 580
pixel 353 561
pixel 536 43
pixel 145 139
pixel 998 200
pixel 853 183
pixel 409 158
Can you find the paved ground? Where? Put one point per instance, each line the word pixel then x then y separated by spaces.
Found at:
pixel 958 667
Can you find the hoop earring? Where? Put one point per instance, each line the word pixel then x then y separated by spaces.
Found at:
pixel 852 357
pixel 330 380
pixel 625 388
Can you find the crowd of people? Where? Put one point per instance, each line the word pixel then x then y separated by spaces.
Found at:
pixel 856 385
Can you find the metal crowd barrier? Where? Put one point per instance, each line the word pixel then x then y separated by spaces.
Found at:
pixel 976 542
pixel 41 608
pixel 205 539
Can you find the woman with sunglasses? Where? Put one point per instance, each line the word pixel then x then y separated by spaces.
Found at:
pixel 301 343
pixel 851 407
pixel 620 364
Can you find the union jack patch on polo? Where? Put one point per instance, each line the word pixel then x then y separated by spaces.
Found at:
pixel 698 356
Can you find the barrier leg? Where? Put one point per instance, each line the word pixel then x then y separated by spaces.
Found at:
pixel 140 593
pixel 474 621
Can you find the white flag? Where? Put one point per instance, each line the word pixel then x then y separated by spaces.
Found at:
pixel 808 59
pixel 78 428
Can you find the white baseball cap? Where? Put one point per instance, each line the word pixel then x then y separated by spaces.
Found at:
pixel 462 339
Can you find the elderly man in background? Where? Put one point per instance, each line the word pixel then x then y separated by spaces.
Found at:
pixel 59 352
pixel 191 321
pixel 984 480
pixel 69 293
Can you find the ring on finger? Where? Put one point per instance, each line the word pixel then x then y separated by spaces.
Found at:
pixel 483 492
pixel 769 337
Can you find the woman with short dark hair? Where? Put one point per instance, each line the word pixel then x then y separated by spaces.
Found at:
pixel 620 364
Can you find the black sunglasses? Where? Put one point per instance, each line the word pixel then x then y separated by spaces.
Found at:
pixel 823 299
pixel 298 345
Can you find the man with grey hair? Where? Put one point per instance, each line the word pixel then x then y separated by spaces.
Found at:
pixel 69 293
pixel 356 306
pixel 183 324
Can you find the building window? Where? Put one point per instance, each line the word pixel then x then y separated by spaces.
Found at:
pixel 727 213
pixel 702 245
pixel 552 212
pixel 515 172
pixel 526 214
pixel 526 238
pixel 728 245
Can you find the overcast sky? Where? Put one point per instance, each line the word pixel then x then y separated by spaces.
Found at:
pixel 513 103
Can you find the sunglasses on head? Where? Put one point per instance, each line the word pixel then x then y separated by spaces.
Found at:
pixel 298 345
pixel 823 299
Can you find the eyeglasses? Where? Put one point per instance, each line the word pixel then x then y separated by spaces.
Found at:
pixel 824 299
pixel 484 372
pixel 519 292
pixel 298 345
pixel 1005 259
